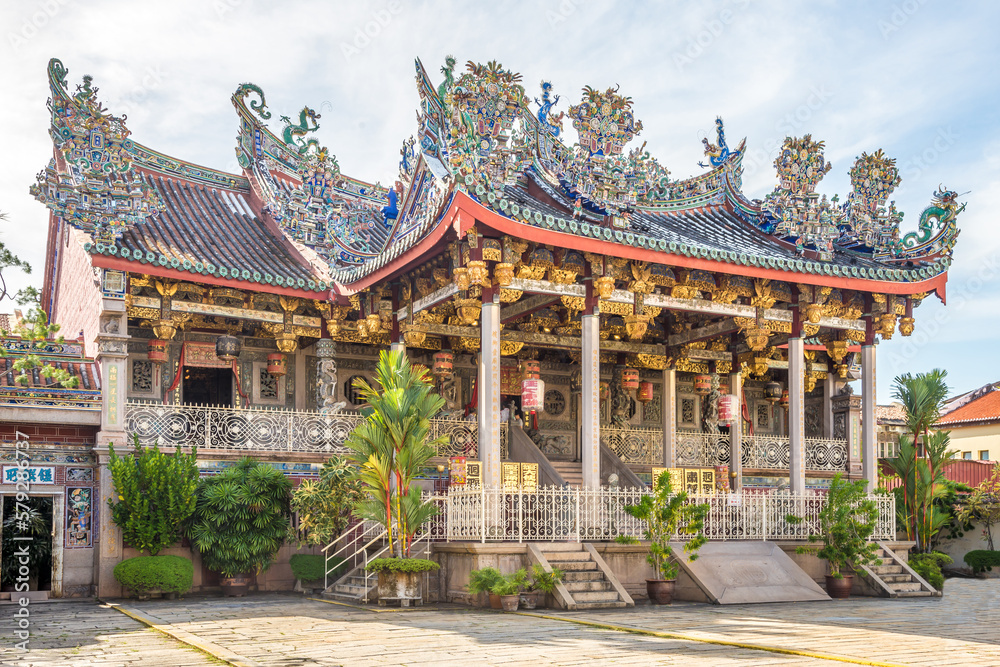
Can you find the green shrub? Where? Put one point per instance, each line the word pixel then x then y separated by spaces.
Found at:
pixel 626 539
pixel 544 581
pixel 310 567
pixel 481 581
pixel 982 560
pixel 170 574
pixel 402 565
pixel 929 567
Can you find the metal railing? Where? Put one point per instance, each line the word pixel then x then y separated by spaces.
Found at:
pixel 638 446
pixel 765 452
pixel 554 514
pixel 278 430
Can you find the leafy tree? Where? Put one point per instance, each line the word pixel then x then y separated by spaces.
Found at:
pixel 391 447
pixel 34 522
pixel 983 505
pixel 9 260
pixel 668 514
pixel 922 396
pixel 156 495
pixel 241 518
pixel 324 506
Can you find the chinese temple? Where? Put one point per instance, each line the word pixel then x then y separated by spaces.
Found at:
pixel 534 256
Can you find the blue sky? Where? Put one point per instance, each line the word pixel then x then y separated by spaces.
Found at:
pixel 914 78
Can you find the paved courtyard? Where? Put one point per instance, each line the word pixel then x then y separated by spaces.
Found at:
pixel 963 628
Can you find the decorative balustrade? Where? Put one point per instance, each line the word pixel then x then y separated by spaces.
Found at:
pixel 774 453
pixel 638 446
pixel 580 514
pixel 259 429
pixel 702 449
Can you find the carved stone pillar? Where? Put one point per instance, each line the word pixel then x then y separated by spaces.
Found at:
pixel 796 416
pixel 736 433
pixel 326 376
pixel 112 354
pixel 489 393
pixel 669 417
pixel 869 457
pixel 846 408
pixel 590 414
pixel 829 391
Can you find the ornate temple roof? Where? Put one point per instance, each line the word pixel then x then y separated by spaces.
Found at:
pixel 40 391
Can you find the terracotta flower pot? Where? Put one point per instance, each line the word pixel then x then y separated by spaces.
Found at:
pixel 509 602
pixel 660 591
pixel 839 588
pixel 495 601
pixel 531 599
pixel 235 586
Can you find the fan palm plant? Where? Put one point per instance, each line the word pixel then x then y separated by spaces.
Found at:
pixel 392 446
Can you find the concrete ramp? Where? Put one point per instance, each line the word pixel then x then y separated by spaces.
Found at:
pixel 742 572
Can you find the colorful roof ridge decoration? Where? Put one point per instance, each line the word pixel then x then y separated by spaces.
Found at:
pixel 90 183
pixel 982 409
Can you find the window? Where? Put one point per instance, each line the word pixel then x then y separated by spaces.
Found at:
pixel 967 456
pixel 984 455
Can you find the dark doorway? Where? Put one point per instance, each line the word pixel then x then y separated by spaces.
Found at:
pixel 208 386
pixel 33 519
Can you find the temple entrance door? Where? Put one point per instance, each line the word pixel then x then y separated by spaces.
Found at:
pixel 36 525
pixel 208 386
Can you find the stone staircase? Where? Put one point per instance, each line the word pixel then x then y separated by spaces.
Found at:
pixel 587 583
pixel 571 471
pixel 352 587
pixel 893 578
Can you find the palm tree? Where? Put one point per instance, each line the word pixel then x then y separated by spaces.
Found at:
pixel 391 447
pixel 921 395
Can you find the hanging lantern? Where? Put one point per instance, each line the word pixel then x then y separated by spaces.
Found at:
pixel 772 392
pixel 532 395
pixel 630 379
pixel 277 364
pixel 784 399
pixel 531 369
pixel 702 384
pixel 227 347
pixel 157 352
pixel 605 391
pixel 444 363
pixel 645 393
pixel 728 408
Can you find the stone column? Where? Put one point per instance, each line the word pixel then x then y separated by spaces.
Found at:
pixel 590 415
pixel 397 346
pixel 326 375
pixel 736 433
pixel 846 409
pixel 869 457
pixel 669 418
pixel 488 385
pixel 829 391
pixel 796 416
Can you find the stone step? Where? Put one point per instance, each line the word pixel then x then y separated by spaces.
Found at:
pixel 583 575
pixel 596 596
pixel 583 586
pixel 895 578
pixel 616 604
pixel 564 556
pixel 914 594
pixel 360 581
pixel 906 586
pixel 887 569
pixel 574 565
pixel 347 589
pixel 548 547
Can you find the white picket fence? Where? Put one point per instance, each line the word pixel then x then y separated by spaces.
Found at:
pixel 555 514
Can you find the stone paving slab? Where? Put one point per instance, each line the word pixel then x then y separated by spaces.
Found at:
pixel 85 633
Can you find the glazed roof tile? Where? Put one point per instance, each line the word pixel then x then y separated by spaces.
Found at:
pixel 986 408
pixel 41 391
pixel 210 231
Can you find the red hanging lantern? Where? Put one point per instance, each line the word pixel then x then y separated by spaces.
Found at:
pixel 772 392
pixel 605 391
pixel 702 384
pixel 645 394
pixel 532 395
pixel 444 363
pixel 277 365
pixel 729 406
pixel 630 379
pixel 531 369
pixel 157 352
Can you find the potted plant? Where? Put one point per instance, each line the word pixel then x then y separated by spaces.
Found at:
pixel 390 449
pixel 240 521
pixel 846 524
pixel 667 515
pixel 508 588
pixel 482 581
pixel 542 583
